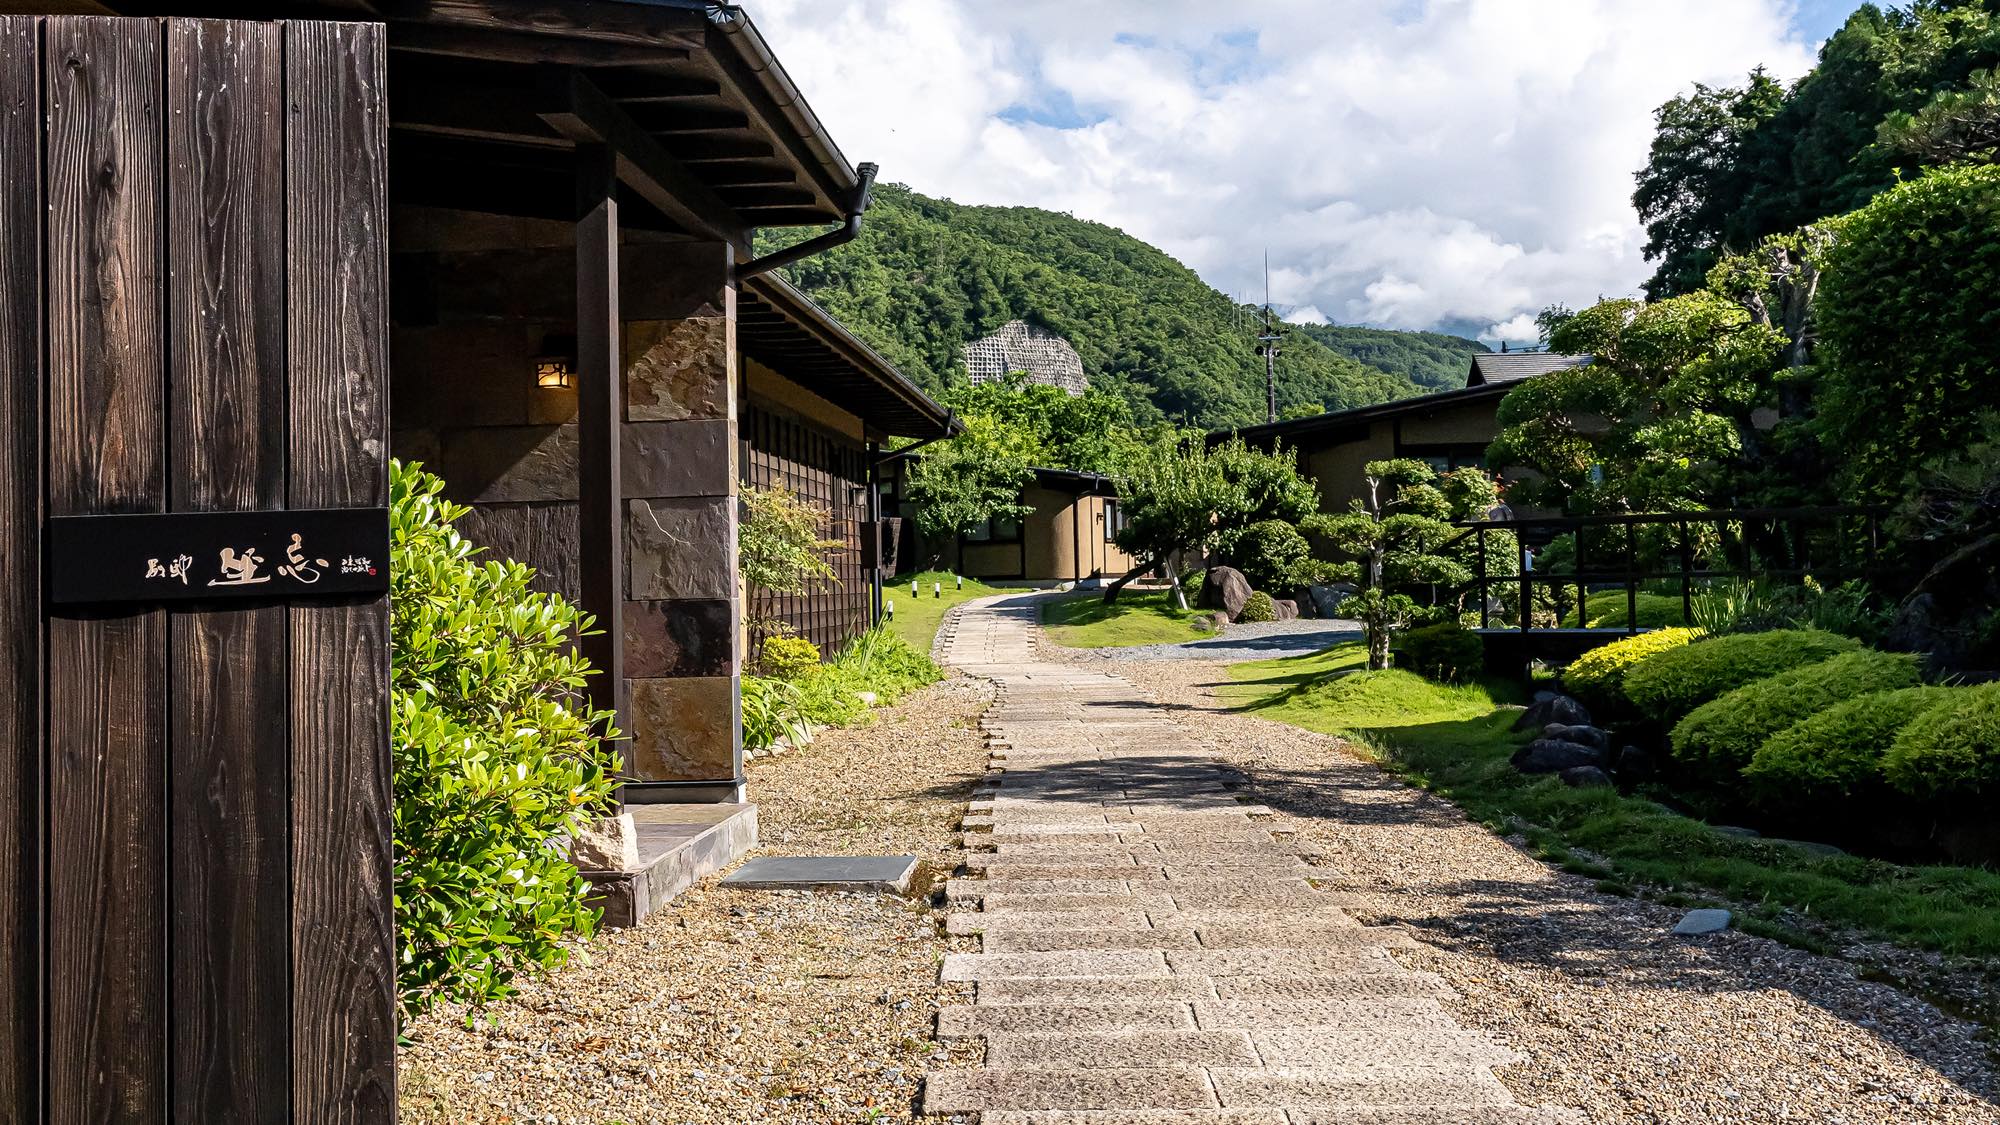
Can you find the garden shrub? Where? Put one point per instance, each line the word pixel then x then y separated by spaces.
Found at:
pixel 787 658
pixel 1725 732
pixel 1838 752
pixel 1273 555
pixel 1951 749
pixel 1443 653
pixel 1598 676
pixel 829 694
pixel 770 712
pixel 496 753
pixel 1668 685
pixel 1258 608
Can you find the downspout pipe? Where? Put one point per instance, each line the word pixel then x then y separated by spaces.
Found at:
pixel 840 235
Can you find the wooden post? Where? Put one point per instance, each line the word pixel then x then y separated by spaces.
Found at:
pixel 600 410
pixel 1479 534
pixel 1632 577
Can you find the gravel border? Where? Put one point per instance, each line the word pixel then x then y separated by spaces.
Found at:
pixel 1614 1015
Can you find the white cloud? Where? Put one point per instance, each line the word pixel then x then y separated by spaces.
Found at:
pixel 1451 162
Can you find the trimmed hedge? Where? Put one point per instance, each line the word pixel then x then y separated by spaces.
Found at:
pixel 1726 732
pixel 1838 752
pixel 1258 608
pixel 1445 653
pixel 1952 749
pixel 1598 676
pixel 1609 609
pixel 1670 684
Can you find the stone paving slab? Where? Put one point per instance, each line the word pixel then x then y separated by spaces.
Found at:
pixel 1155 951
pixel 1112 963
pixel 965 1021
pixel 966 1091
pixel 1119 1049
pixel 1289 1088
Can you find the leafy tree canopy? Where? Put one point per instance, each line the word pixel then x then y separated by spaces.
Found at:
pixel 1732 166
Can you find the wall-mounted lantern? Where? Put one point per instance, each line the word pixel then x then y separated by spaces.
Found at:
pixel 553 372
pixel 555 367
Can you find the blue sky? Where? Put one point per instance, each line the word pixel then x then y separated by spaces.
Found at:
pixel 1455 164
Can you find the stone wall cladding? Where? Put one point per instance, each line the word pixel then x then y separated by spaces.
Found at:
pixel 1020 346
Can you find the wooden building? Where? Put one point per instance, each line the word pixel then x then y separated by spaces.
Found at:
pixel 1067 536
pixel 243 261
pixel 1450 429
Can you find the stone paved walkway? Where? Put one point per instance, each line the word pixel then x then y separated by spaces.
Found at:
pixel 1150 953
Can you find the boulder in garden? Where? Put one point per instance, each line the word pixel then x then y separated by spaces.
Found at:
pixel 1225 588
pixel 1589 736
pixel 1285 609
pixel 1556 709
pixel 1548 755
pixel 1586 777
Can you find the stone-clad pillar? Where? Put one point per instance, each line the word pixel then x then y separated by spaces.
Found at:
pixel 682 644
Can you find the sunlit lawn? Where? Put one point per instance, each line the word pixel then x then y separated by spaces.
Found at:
pixel 1455 740
pixel 1138 617
pixel 916 619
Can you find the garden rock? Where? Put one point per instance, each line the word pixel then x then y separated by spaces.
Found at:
pixel 607 844
pixel 1225 588
pixel 1285 608
pixel 1587 735
pixel 1556 709
pixel 1548 755
pixel 1703 922
pixel 1586 777
pixel 1326 599
pixel 1634 764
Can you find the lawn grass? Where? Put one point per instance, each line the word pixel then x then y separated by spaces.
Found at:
pixel 1607 609
pixel 917 619
pixel 1137 618
pixel 1455 741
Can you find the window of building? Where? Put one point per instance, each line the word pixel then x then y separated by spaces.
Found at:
pixel 995 531
pixel 1114 520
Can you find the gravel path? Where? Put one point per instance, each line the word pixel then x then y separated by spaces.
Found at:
pixel 1150 948
pixel 738 1006
pixel 1613 1015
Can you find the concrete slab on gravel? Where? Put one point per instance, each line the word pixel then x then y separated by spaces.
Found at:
pixel 1291 1088
pixel 1091 1050
pixel 888 874
pixel 1108 963
pixel 997 1088
pixel 963 1021
pixel 1356 1014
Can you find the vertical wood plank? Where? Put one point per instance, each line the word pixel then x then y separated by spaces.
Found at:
pixel 106 674
pixel 20 593
pixel 230 973
pixel 600 417
pixel 343 930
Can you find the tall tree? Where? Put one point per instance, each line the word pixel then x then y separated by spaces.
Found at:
pixel 1697 176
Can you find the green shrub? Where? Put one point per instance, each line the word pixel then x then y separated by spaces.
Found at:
pixel 1725 732
pixel 1838 752
pixel 770 712
pixel 787 658
pixel 1273 555
pixel 1258 608
pixel 1668 685
pixel 1952 749
pixel 1444 653
pixel 496 752
pixel 1598 676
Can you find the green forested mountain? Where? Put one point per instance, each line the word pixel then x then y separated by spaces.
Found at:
pixel 1432 360
pixel 1731 165
pixel 927 275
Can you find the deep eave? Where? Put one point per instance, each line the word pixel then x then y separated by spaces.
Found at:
pixel 1076 483
pixel 488 98
pixel 783 329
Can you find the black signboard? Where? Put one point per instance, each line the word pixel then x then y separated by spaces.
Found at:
pixel 206 556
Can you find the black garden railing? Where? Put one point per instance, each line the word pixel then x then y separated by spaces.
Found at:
pixel 1680 551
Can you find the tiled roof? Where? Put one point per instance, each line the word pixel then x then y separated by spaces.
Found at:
pixel 1512 367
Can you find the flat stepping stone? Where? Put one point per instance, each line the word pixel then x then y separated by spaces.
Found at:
pixel 967 1021
pixel 1364 1050
pixel 887 874
pixel 1068 963
pixel 966 924
pixel 1095 1050
pixel 1335 986
pixel 1312 913
pixel 1298 935
pixel 1293 1088
pixel 1010 991
pixel 999 902
pixel 1042 941
pixel 969 1091
pixel 1141 1117
pixel 1430 1115
pixel 1353 1014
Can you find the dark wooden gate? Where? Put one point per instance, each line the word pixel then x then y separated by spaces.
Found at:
pixel 194 804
